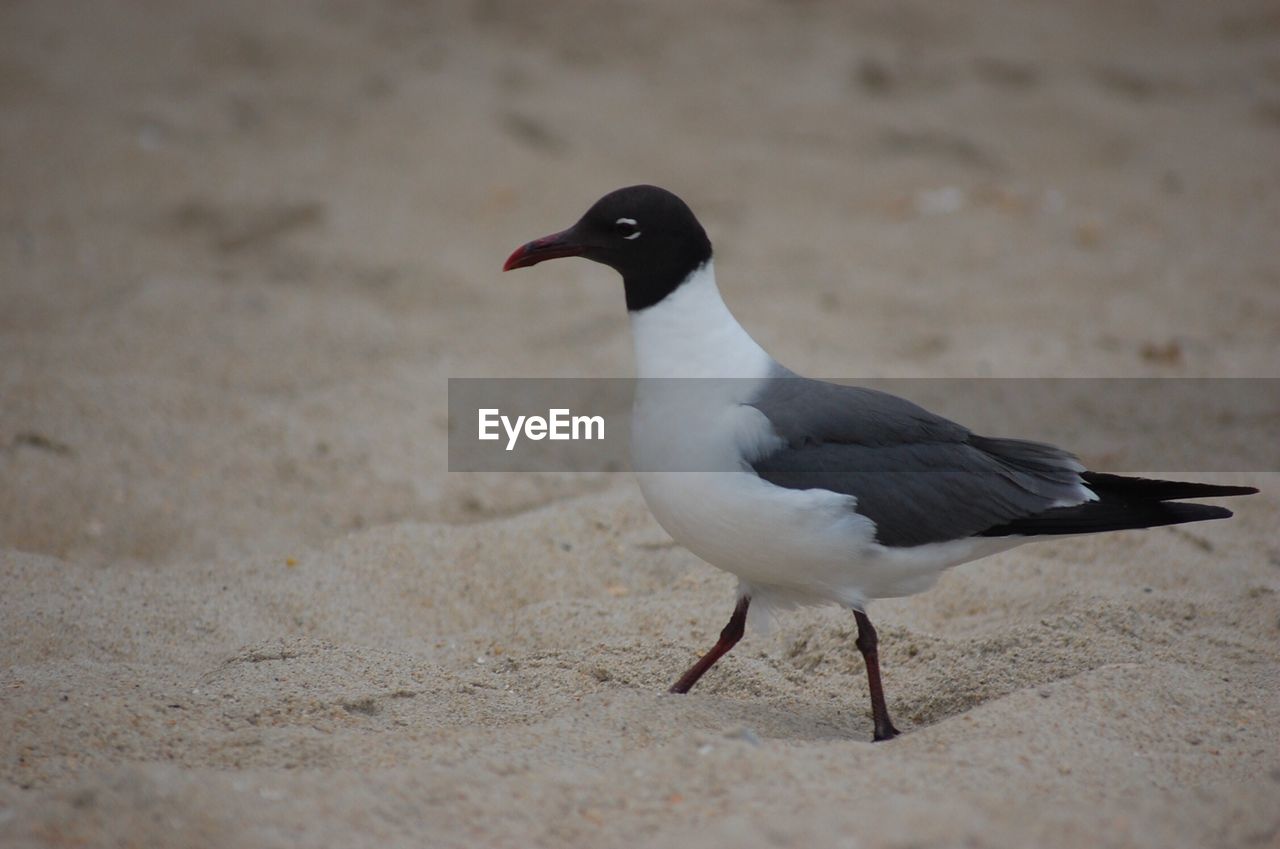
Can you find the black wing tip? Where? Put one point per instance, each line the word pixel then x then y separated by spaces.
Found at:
pixel 1152 489
pixel 1202 512
pixel 1095 517
pixel 1213 490
pixel 1243 490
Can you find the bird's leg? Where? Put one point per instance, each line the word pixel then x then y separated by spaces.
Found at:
pixel 728 639
pixel 868 643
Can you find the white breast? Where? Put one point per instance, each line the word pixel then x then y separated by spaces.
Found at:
pixel 692 436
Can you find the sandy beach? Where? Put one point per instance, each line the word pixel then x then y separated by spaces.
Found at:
pixel 243 246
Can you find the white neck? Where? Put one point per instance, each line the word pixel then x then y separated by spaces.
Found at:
pixel 691 333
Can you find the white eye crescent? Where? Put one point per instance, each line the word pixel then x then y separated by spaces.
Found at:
pixel 627 222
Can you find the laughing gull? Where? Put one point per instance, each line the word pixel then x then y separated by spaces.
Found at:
pixel 812 492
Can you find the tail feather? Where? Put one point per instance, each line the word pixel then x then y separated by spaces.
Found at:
pixel 1124 503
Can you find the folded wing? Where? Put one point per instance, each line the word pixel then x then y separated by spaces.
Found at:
pixel 922 478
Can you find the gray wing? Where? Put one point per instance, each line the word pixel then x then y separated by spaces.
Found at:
pixel 920 477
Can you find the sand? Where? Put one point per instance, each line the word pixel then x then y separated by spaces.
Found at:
pixel 243 246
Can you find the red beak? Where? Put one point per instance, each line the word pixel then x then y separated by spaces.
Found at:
pixel 548 247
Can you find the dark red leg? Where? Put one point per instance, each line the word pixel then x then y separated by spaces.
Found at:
pixel 728 638
pixel 868 643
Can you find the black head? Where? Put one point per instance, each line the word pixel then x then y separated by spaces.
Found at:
pixel 645 233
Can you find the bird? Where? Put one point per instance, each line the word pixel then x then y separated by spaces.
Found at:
pixel 813 492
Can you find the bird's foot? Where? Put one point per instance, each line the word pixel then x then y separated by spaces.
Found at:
pixel 884 731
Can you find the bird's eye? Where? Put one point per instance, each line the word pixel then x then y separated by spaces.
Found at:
pixel 626 228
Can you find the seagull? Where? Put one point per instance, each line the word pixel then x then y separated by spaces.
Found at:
pixel 813 492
